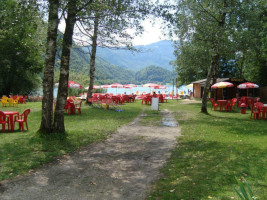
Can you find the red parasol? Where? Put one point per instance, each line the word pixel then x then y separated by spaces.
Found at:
pixel 72 84
pixel 116 85
pixel 160 87
pixel 105 86
pixel 247 85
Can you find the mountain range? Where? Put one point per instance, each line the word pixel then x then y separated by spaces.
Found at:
pixel 150 64
pixel 158 54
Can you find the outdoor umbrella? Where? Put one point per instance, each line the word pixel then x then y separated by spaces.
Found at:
pixel 150 85
pixel 222 85
pixel 247 85
pixel 160 87
pixel 72 84
pixel 190 85
pixel 116 85
pixel 127 87
pixel 105 86
pixel 94 87
pixel 132 85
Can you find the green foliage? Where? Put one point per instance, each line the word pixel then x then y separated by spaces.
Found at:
pixel 242 39
pixel 154 74
pixel 244 192
pixel 192 61
pixel 21 47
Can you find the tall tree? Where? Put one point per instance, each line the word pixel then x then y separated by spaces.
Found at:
pixel 107 25
pixel 48 80
pixel 21 42
pixel 203 23
pixel 72 9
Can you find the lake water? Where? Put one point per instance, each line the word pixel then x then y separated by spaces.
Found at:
pixel 140 90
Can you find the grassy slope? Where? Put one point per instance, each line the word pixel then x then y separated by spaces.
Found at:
pixel 213 150
pixel 19 152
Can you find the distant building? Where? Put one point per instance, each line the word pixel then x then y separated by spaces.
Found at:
pixel 226 93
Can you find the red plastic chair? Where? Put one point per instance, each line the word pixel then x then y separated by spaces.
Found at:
pixel 78 107
pixel 3 121
pixel 234 100
pixel 213 104
pixel 257 110
pixel 21 119
pixel 242 100
pixel 228 105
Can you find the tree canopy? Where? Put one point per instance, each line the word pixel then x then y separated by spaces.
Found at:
pixel 20 53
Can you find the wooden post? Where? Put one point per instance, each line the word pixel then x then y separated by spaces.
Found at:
pixel 172 88
pixel 176 89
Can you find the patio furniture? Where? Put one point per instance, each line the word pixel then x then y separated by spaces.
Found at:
pixel 243 99
pixel 21 119
pixel 258 110
pixel 243 107
pixel 228 105
pixel 234 100
pixel 78 107
pixel 4 101
pixel 221 103
pixel 3 121
pixel 69 107
pixel 11 114
pixel 213 104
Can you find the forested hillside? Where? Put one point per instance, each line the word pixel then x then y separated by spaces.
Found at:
pixel 107 73
pixel 159 54
pixel 154 74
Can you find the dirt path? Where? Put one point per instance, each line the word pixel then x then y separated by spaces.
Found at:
pixel 122 167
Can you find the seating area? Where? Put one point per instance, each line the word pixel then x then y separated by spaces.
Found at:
pixel 147 98
pixel 13 100
pixel 258 109
pixel 111 101
pixel 12 117
pixel 72 104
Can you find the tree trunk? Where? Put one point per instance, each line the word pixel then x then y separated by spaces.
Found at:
pixel 59 126
pixel 215 57
pixel 48 80
pixel 213 64
pixel 92 59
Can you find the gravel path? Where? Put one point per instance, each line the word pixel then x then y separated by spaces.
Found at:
pixel 122 167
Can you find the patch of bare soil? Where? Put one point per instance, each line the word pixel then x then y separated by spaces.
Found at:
pixel 188 101
pixel 122 167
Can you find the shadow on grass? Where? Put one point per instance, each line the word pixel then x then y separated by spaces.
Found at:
pixel 199 169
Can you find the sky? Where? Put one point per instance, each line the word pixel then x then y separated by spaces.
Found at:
pixel 152 33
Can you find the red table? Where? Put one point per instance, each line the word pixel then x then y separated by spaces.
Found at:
pixel 70 106
pixel 11 120
pixel 221 103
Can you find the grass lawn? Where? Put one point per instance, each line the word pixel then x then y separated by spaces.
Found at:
pixel 22 151
pixel 214 149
